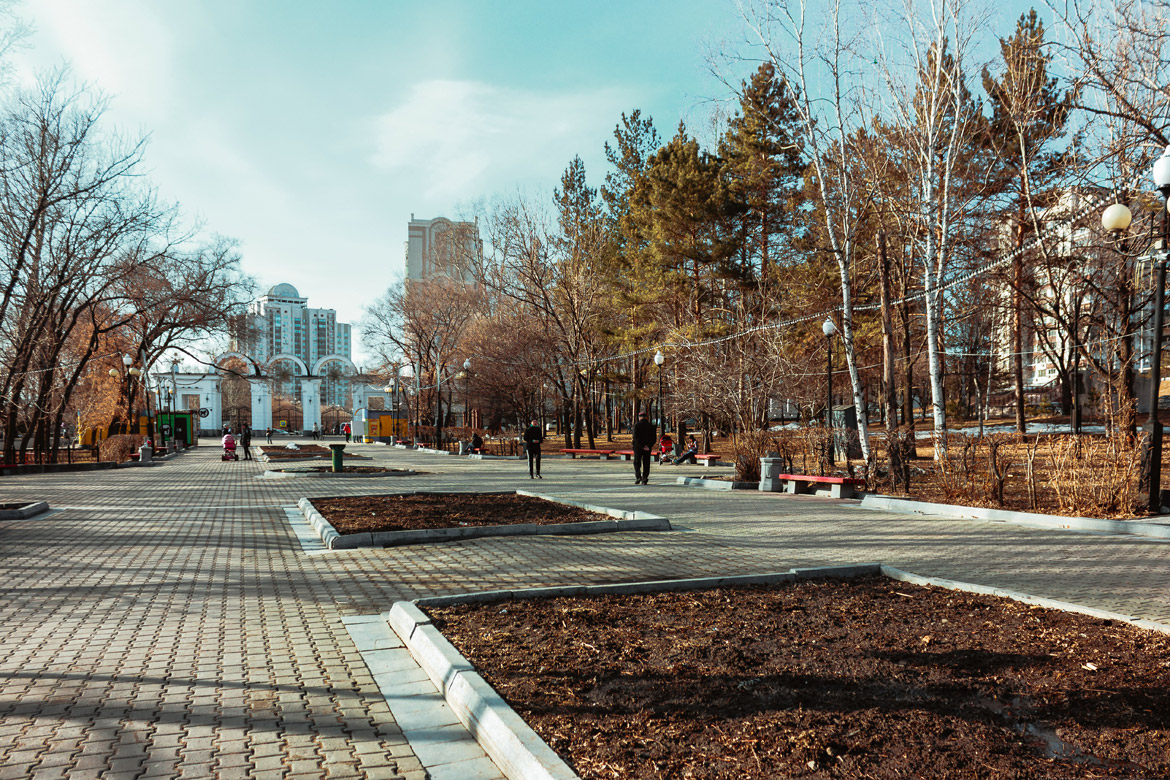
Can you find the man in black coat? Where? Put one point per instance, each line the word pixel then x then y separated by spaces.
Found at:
pixel 645 437
pixel 533 436
pixel 246 441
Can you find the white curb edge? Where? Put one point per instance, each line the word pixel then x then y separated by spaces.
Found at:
pixel 1023 598
pixel 714 484
pixel 624 521
pixel 511 743
pixel 1127 527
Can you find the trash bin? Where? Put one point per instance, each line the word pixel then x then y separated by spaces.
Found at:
pixel 338 457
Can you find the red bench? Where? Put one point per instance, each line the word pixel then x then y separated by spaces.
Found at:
pixel 839 487
pixel 629 455
pixel 601 454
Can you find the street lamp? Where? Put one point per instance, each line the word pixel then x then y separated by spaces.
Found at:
pixel 1076 356
pixel 1154 425
pixel 830 330
pixel 659 359
pixel 407 372
pixel 467 393
pixel 127 361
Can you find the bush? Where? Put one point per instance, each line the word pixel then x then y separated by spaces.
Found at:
pixel 121 447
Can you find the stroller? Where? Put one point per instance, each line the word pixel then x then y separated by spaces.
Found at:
pixel 229 447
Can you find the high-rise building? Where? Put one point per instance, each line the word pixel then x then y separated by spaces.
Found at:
pixel 440 247
pixel 281 323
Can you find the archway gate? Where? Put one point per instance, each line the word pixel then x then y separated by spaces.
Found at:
pixel 208 388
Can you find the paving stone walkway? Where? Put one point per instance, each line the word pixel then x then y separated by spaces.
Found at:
pixel 167 622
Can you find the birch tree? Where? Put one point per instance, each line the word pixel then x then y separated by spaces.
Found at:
pixel 811 48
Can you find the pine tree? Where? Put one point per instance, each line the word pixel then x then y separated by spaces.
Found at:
pixel 681 209
pixel 763 159
pixel 1029 114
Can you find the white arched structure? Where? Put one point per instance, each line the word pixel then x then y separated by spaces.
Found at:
pixel 322 362
pixel 285 356
pixel 210 389
pixel 252 364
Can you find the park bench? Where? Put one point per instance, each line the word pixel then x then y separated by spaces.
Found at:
pixel 629 455
pixel 601 454
pixel 711 458
pixel 839 487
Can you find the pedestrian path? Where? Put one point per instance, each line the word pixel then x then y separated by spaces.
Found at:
pixel 174 621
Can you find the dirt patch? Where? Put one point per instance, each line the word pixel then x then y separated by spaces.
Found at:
pixel 359 514
pixel 11 507
pixel 862 679
pixel 305 451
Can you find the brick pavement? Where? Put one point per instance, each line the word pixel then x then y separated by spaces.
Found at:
pixel 165 622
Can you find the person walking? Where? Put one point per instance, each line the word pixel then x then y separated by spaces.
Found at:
pixel 268 434
pixel 645 437
pixel 347 430
pixel 246 441
pixel 533 436
pixel 316 432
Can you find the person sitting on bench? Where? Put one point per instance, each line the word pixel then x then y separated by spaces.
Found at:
pixel 476 444
pixel 689 453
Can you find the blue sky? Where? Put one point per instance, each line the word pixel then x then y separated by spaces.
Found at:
pixel 311 131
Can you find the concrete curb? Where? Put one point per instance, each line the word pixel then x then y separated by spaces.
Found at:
pixel 652 586
pixel 280 473
pixel 324 529
pixel 714 484
pixel 624 521
pixel 1024 598
pixel 23 513
pixel 620 514
pixel 1128 527
pixel 430 451
pixel 510 742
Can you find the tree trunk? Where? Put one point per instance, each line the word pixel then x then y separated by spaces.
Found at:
pixel 894 449
pixel 1018 331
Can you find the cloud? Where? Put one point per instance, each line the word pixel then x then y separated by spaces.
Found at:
pixel 457 139
pixel 121 46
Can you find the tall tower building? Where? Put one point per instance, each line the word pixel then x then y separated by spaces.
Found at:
pixel 440 247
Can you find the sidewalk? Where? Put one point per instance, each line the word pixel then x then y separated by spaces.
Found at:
pixel 166 622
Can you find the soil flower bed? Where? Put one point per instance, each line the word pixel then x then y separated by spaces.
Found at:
pixel 349 470
pixel 361 514
pixel 863 679
pixel 304 451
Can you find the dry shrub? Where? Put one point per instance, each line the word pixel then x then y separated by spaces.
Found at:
pixel 802 449
pixel 888 467
pixel 121 447
pixel 1096 475
pixel 747 449
pixel 975 471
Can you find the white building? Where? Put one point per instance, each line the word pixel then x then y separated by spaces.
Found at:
pixel 440 247
pixel 281 323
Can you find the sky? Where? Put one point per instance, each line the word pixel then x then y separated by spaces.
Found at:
pixel 311 132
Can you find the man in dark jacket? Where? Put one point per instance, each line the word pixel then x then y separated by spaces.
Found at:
pixel 246 441
pixel 533 436
pixel 645 437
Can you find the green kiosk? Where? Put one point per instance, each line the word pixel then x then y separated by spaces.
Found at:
pixel 179 426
